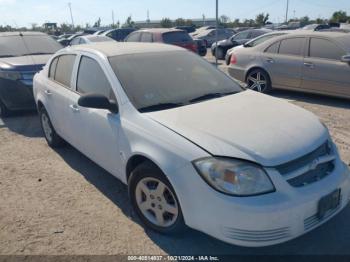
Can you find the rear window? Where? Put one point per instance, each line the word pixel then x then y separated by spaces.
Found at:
pixel 64 69
pixel 27 45
pixel 176 37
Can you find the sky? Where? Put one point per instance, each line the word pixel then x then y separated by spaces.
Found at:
pixel 26 12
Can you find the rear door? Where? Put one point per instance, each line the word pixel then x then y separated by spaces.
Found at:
pixel 323 69
pixel 58 89
pixel 283 61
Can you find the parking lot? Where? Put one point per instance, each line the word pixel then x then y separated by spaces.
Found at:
pixel 59 202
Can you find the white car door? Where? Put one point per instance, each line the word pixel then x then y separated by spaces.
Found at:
pixel 57 90
pixel 96 130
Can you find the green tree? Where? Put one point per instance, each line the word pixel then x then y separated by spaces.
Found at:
pixel 180 22
pixel 65 28
pixel 166 23
pixel 128 23
pixel 261 19
pixel 189 22
pixel 304 21
pixel 98 23
pixel 224 19
pixel 339 17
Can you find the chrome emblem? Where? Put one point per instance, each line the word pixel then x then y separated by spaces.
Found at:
pixel 314 164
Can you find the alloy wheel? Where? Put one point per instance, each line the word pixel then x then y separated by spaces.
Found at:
pixel 156 202
pixel 257 81
pixel 46 126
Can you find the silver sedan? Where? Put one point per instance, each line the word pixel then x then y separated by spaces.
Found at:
pixel 315 62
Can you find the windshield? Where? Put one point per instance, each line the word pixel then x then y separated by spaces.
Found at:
pixel 164 80
pixel 27 45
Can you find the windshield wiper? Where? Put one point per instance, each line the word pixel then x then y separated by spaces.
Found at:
pixel 210 96
pixel 4 56
pixel 38 53
pixel 158 107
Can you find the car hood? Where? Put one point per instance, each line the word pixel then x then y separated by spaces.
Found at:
pixel 247 125
pixel 34 62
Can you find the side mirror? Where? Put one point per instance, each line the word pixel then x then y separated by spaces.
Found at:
pixel 346 59
pixel 234 42
pixel 98 101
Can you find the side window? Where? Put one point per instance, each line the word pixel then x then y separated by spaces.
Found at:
pixel 322 48
pixel 53 68
pixel 242 35
pixel 75 41
pixel 146 37
pixel 292 46
pixel 273 49
pixel 64 69
pixel 134 37
pixel 92 79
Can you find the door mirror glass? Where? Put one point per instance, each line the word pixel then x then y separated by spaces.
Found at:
pixel 345 59
pixel 98 102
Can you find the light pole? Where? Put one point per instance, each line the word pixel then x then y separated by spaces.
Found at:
pixel 71 14
pixel 287 11
pixel 217 33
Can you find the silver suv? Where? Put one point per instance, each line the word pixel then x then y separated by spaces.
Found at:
pixel 316 62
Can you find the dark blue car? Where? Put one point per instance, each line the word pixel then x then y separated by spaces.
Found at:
pixel 22 55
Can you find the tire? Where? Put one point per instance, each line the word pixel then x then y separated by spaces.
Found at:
pixel 52 138
pixel 219 53
pixel 258 80
pixel 228 59
pixel 158 210
pixel 4 111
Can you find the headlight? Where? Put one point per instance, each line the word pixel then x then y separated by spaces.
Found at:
pixel 10 75
pixel 234 177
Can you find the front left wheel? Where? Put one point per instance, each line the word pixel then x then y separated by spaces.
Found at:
pixel 154 199
pixel 4 111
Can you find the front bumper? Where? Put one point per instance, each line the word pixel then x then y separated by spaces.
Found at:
pixel 17 95
pixel 260 220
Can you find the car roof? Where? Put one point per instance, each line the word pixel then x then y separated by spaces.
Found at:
pixel 160 30
pixel 340 37
pixel 22 33
pixel 110 49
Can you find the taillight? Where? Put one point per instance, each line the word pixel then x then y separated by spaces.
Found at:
pixel 233 59
pixel 193 47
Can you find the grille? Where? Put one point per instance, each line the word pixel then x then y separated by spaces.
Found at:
pixel 313 221
pixel 310 168
pixel 257 236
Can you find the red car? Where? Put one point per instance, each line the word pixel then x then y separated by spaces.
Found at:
pixel 161 35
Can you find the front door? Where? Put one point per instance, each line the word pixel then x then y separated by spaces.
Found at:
pixel 323 69
pixel 97 130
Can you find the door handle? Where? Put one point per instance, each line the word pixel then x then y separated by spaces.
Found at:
pixel 309 65
pixel 270 60
pixel 74 108
pixel 48 92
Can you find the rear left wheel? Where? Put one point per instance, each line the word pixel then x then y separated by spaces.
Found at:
pixel 52 138
pixel 154 200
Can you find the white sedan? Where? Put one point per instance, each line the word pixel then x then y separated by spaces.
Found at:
pixel 192 146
